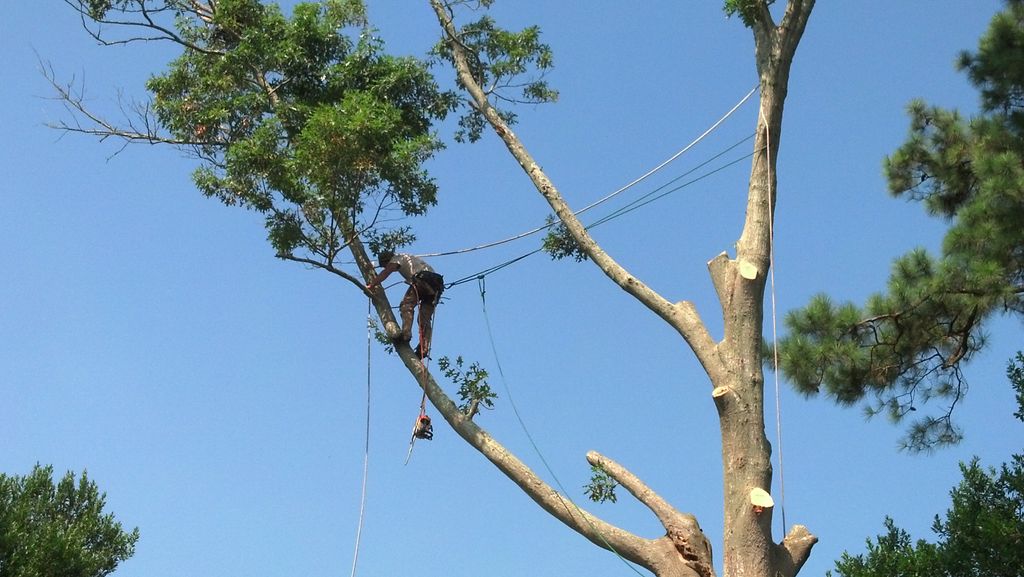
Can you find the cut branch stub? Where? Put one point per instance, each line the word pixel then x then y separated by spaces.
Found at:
pixel 723 397
pixel 760 500
pixel 748 270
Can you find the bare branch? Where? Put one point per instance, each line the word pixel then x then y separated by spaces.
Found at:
pixel 329 268
pixel 74 101
pixel 681 528
pixel 150 30
pixel 794 21
pixel 682 316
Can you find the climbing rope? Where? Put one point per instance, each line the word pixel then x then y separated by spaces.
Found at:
pixel 775 338
pixel 366 448
pixel 564 495
pixel 422 427
pixel 643 200
pixel 611 195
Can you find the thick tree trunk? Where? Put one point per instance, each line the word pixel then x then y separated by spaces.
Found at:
pixel 739 390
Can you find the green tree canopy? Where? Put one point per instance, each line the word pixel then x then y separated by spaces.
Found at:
pixel 908 344
pixel 60 529
pixel 304 119
pixel 982 534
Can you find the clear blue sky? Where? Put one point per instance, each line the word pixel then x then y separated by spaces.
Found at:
pixel 218 395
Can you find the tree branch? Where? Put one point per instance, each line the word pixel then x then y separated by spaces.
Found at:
pixel 599 532
pixel 794 21
pixel 146 22
pixel 681 528
pixel 794 550
pixel 102 128
pixel 329 268
pixel 681 316
pixel 665 512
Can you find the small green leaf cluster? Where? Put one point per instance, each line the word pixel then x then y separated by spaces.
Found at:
pixel 474 391
pixel 560 244
pixel 58 529
pixel 380 335
pixel 381 241
pixel 510 66
pixel 97 9
pixel 748 10
pixel 601 487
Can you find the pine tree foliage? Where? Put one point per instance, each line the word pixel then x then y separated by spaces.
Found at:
pixel 58 529
pixel 982 534
pixel 908 345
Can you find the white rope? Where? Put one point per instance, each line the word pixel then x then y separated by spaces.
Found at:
pixel 366 450
pixel 608 197
pixel 775 339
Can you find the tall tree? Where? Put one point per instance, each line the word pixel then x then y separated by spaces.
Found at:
pixel 322 132
pixel 58 529
pixel 909 344
pixel 732 363
pixel 982 533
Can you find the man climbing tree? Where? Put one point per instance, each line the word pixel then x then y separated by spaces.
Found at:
pixel 322 133
pixel 910 343
pixel 425 288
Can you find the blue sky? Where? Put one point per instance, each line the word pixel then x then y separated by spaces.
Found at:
pixel 218 395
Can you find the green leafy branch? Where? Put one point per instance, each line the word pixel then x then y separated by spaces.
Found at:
pixel 509 66
pixel 474 391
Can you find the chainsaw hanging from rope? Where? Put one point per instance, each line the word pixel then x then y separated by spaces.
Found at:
pixel 423 429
